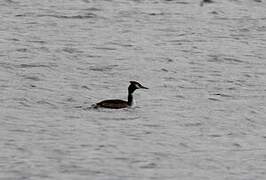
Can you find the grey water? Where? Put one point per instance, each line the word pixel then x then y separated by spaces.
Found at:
pixel 203 116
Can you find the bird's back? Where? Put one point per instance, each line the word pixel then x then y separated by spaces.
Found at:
pixel 112 103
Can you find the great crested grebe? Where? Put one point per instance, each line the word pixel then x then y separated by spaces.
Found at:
pixel 117 103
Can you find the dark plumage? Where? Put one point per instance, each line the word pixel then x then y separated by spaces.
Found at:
pixel 117 103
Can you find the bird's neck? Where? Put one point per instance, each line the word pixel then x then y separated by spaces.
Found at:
pixel 130 98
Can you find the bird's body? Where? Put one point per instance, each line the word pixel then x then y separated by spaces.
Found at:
pixel 117 103
pixel 113 103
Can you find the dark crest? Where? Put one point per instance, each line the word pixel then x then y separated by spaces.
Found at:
pixel 136 85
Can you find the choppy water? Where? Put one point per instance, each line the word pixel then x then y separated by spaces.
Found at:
pixel 204 116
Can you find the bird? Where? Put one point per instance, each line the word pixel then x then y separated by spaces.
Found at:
pixel 118 103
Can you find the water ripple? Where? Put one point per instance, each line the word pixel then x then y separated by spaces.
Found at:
pixel 84 16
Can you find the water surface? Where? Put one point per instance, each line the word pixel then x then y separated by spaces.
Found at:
pixel 202 118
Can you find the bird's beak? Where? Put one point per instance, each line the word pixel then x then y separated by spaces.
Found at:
pixel 142 87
